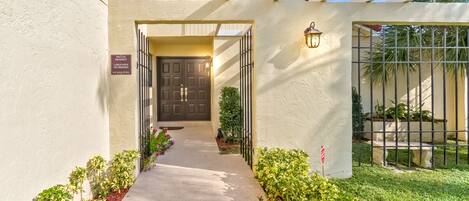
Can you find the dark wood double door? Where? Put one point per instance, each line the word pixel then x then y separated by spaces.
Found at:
pixel 183 88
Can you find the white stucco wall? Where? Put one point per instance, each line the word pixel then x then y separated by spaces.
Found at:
pixel 225 72
pixel 53 86
pixel 302 95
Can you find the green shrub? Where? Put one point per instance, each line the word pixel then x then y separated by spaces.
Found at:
pixel 160 142
pixel 230 114
pixel 103 180
pixel 55 193
pixel 150 136
pixel 284 175
pixel 96 174
pixel 357 114
pixel 399 111
pixel 149 162
pixel 152 146
pixel 156 143
pixel 122 170
pixel 76 180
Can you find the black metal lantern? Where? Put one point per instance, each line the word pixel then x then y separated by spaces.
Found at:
pixel 312 36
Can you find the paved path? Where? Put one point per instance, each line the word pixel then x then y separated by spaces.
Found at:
pixel 192 170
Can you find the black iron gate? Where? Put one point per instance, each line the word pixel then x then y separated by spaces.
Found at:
pixel 246 68
pixel 144 61
pixel 412 82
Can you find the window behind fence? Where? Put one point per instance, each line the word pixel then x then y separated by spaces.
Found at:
pixel 410 94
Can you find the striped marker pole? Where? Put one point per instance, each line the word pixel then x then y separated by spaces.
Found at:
pixel 323 159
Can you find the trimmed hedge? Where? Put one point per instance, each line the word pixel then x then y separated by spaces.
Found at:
pixel 284 175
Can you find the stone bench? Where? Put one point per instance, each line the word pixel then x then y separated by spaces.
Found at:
pixel 414 146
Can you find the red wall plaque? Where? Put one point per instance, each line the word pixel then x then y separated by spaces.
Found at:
pixel 121 65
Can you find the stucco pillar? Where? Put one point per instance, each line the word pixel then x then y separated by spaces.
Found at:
pixel 123 105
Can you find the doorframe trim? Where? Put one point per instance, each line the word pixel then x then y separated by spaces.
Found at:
pixel 158 78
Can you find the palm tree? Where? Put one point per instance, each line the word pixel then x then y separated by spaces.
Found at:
pixel 402 50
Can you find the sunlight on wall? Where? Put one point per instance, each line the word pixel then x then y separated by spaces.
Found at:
pixel 225 71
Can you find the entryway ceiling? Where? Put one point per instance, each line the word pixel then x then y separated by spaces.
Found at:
pixel 214 29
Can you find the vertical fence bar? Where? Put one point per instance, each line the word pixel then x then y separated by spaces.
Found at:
pixel 245 98
pixel 139 35
pixel 144 112
pixel 142 71
pixel 247 95
pixel 432 94
pixel 242 96
pixel 147 95
pixel 445 161
pixel 408 93
pixel 467 92
pixel 359 64
pixel 383 88
pixel 396 128
pixel 456 93
pixel 420 93
pixel 139 88
pixel 359 84
pixel 142 77
pixel 250 99
pixel 371 96
pixel 147 91
pixel 241 147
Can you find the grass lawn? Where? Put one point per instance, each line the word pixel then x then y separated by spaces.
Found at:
pixel 449 182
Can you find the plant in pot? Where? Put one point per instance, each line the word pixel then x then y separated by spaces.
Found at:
pixel 230 116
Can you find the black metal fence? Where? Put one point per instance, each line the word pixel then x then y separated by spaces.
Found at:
pixel 246 68
pixel 412 82
pixel 144 63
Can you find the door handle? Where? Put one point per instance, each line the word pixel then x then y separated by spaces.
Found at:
pixel 185 93
pixel 182 94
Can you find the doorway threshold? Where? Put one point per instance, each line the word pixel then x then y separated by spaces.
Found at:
pixel 183 123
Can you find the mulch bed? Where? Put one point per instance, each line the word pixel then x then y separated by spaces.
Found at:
pixel 117 196
pixel 226 148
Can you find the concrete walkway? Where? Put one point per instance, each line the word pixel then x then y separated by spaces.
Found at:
pixel 193 170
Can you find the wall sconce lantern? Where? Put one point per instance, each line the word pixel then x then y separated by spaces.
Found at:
pixel 208 64
pixel 312 36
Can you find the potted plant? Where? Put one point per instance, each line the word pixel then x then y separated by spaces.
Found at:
pixel 403 118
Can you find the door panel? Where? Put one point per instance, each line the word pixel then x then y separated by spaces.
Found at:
pixel 179 73
pixel 198 104
pixel 170 77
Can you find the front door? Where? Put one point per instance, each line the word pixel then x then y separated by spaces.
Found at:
pixel 183 88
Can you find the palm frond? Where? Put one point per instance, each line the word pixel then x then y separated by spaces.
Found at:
pixel 398 48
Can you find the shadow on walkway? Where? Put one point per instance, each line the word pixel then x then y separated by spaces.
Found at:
pixel 192 169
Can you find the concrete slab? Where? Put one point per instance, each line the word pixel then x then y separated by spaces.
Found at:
pixel 193 170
